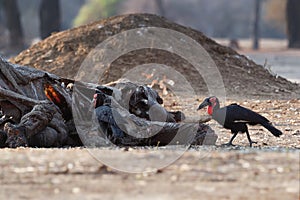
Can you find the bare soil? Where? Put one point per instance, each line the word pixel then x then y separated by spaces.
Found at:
pixel 269 170
pixel 64 52
pixel 244 173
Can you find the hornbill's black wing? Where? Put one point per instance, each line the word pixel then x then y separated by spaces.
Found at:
pixel 235 113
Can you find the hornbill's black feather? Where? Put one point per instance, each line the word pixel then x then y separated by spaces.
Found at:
pixel 236 118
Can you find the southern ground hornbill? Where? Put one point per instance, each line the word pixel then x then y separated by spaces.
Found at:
pixel 236 118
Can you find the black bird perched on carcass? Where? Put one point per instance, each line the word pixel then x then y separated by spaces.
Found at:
pixel 236 118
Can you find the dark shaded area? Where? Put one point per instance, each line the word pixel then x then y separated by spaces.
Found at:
pixel 13 24
pixel 50 17
pixel 160 7
pixel 256 28
pixel 293 23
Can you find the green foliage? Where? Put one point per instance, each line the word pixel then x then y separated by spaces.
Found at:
pixel 95 10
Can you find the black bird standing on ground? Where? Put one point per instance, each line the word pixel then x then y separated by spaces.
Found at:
pixel 236 118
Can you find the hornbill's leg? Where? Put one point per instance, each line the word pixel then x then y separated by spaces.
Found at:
pixel 249 139
pixel 231 140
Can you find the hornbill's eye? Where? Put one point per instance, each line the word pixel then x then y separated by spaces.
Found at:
pixel 212 100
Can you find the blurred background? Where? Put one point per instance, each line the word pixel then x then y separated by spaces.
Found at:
pixel 268 31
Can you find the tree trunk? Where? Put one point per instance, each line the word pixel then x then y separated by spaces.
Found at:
pixel 160 7
pixel 256 25
pixel 293 23
pixel 1 14
pixel 50 18
pixel 13 23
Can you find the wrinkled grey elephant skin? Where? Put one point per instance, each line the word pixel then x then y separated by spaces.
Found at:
pixel 36 111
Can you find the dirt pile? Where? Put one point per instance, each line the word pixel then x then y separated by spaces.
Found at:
pixel 63 52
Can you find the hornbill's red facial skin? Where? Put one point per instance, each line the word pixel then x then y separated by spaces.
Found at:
pixel 236 118
pixel 212 103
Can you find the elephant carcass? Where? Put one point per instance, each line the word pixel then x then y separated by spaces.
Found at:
pixel 26 110
pixel 124 116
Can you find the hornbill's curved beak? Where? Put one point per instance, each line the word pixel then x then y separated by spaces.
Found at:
pixel 204 104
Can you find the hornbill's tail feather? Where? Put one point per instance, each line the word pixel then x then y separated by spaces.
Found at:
pixel 272 129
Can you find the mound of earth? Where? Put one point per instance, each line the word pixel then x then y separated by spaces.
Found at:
pixel 63 52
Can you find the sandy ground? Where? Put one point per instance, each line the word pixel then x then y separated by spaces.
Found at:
pixel 269 170
pixel 222 174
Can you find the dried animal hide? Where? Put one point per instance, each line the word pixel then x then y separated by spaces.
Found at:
pixel 29 118
pixel 36 110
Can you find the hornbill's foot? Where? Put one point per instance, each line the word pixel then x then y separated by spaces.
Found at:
pixel 228 144
pixel 252 142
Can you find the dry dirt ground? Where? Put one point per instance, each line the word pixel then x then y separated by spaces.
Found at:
pixel 269 170
pixel 223 174
pixel 64 53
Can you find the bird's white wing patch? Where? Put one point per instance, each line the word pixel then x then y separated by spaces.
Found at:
pixel 244 121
